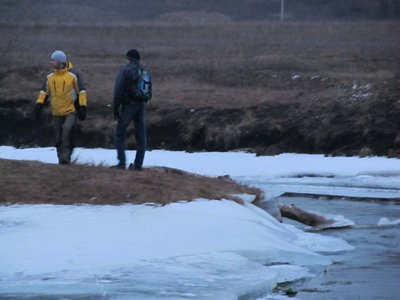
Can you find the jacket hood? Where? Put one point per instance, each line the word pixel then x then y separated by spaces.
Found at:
pixel 68 66
pixel 134 62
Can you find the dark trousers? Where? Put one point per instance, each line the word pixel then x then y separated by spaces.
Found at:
pixel 64 136
pixel 132 112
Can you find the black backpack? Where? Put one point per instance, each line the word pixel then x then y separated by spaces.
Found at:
pixel 143 87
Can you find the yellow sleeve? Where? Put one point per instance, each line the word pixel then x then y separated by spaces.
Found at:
pixel 80 89
pixel 42 97
pixel 82 98
pixel 43 94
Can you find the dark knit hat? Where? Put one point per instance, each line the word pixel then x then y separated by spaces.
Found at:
pixel 133 54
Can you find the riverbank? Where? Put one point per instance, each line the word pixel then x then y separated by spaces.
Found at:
pixel 266 87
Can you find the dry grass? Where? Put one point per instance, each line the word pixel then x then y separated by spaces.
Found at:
pixel 234 64
pixel 34 182
pixel 193 12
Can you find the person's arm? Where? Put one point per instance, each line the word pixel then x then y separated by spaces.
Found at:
pixel 80 89
pixel 82 99
pixel 119 89
pixel 43 94
pixel 41 99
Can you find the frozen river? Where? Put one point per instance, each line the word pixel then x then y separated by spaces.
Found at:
pixel 372 270
pixel 211 249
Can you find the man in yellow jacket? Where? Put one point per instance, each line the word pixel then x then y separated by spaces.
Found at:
pixel 65 89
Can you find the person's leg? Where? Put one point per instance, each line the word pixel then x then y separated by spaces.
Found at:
pixel 140 134
pixel 58 123
pixel 123 122
pixel 67 146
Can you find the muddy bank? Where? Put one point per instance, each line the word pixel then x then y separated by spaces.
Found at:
pixel 362 127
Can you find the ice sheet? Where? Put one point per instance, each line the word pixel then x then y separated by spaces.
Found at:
pixel 217 247
pixel 386 222
pixel 380 187
pixel 237 164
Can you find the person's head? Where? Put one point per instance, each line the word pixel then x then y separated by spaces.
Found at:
pixel 58 59
pixel 133 55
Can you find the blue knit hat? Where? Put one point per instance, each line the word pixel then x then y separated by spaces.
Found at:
pixel 59 56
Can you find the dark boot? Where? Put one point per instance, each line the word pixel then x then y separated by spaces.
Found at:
pixel 119 166
pixel 135 167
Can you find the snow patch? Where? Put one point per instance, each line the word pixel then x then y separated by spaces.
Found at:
pixel 218 247
pixel 386 222
pixel 220 163
pixel 249 198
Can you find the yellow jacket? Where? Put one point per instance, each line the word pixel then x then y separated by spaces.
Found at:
pixel 64 87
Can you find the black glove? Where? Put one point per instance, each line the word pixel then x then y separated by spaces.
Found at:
pixel 38 110
pixel 82 113
pixel 116 114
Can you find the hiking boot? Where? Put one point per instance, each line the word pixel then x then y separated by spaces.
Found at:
pixel 135 167
pixel 63 161
pixel 119 166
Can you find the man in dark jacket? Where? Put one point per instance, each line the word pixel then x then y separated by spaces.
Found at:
pixel 127 108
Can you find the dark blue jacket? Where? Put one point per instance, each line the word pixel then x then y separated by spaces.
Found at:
pixel 125 84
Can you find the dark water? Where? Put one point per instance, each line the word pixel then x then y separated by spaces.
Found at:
pixel 372 269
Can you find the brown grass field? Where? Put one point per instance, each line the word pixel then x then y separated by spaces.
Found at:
pixel 34 183
pixel 229 65
pixel 310 87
